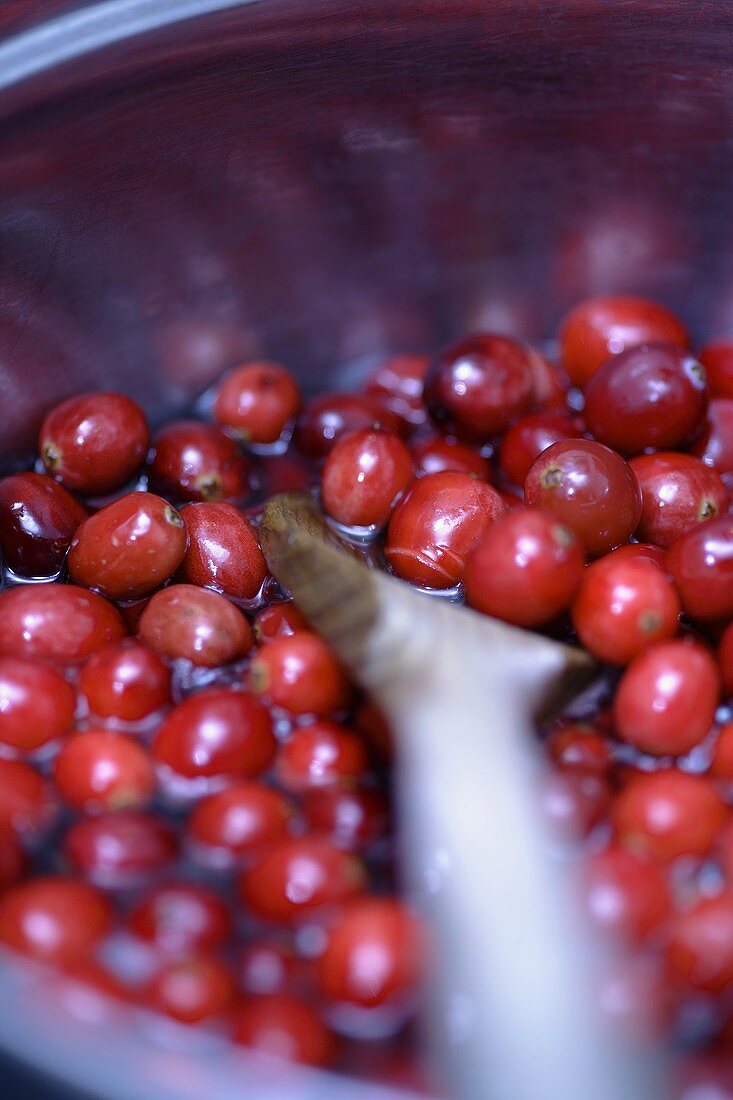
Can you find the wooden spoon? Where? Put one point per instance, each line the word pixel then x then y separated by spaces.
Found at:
pixel 462 692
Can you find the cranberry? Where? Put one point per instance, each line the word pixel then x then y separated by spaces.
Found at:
pixel 435 453
pixel 722 763
pixel 283 1026
pixel 53 919
pixel 38 518
pixel 353 817
pixel 601 327
pixel 678 492
pixel 36 703
pixel 265 968
pixel 94 443
pixel 298 875
pixel 625 604
pixel 195 461
pixel 300 674
pixel 701 563
pixel 525 440
pixel 325 419
pixel 320 755
pixel 278 620
pixel 198 625
pixel 624 894
pixel 12 858
pixel 479 385
pixel 717 358
pixel 127 681
pixel 650 396
pixel 551 383
pixel 119 849
pixel 700 948
pixel 223 552
pixel 128 548
pixel 437 525
pixel 725 659
pixel 180 917
pixel 590 488
pixel 258 401
pixel 100 770
pixel 241 818
pixel 216 732
pixel 56 622
pixel 376 954
pixel 525 569
pixel 397 383
pixel 365 474
pixel 192 989
pixel 667 814
pixel 579 748
pixel 715 445
pixel 25 800
pixel 574 802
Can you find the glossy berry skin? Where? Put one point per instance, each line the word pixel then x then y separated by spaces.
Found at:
pixel 278 620
pixel 129 548
pixel 36 703
pixel 100 770
pixel 526 439
pixel 479 385
pixel 352 817
pixel 701 563
pixel 579 748
pixel 435 453
pixel 241 819
pixel 196 461
pixel 365 474
pixel 191 989
pixel 257 401
pixel 634 551
pixel 286 1027
pixel 715 445
pixel 721 765
pixel 320 755
pixel 127 681
pixel 599 328
pixel 300 674
pixel 223 552
pixel 297 876
pixel 526 568
pixel 376 954
pixel 437 525
pixel 624 606
pixel 666 814
pixel 625 895
pixel 666 700
pixel 38 518
pixel 120 849
pixel 725 659
pixel 678 492
pixel 181 917
pixel 94 443
pixel 216 732
pixel 56 622
pixel 25 799
pixel 184 621
pixel 589 488
pixel 717 358
pixel 325 419
pixel 54 919
pixel 397 383
pixel 700 948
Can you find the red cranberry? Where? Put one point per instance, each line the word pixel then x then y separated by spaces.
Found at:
pixel 721 765
pixel 590 488
pixel 241 818
pixel 283 1026
pixel 326 418
pixel 365 474
pixel 353 817
pixel 265 968
pixel 601 327
pixel 300 674
pixel 579 748
pixel 376 954
pixel 525 569
pixel 634 551
pixel 216 732
pixel 477 386
pixel 101 770
pixel 223 551
pixel 700 948
pixel 53 919
pixel 257 400
pixel 25 800
pixel 715 445
pixel 437 525
pixel 298 875
pixel 551 383
pixel 320 755
pixel 127 681
pixel 278 620
pixel 119 849
pixel 191 990
pixel 678 492
pixel 397 383
pixel 525 440
pixel 625 895
pixel 725 659
pixel 38 518
pixel 625 604
pixel 701 563
pixel 574 802
pixel 195 624
pixel 717 358
pixel 94 443
pixel 195 461
pixel 667 814
pixel 181 916
pixel 36 703
pixel 372 722
pixel 128 548
pixel 435 453
pixel 56 622
pixel 12 858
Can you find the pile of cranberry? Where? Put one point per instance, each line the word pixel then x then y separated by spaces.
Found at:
pixel 189 780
